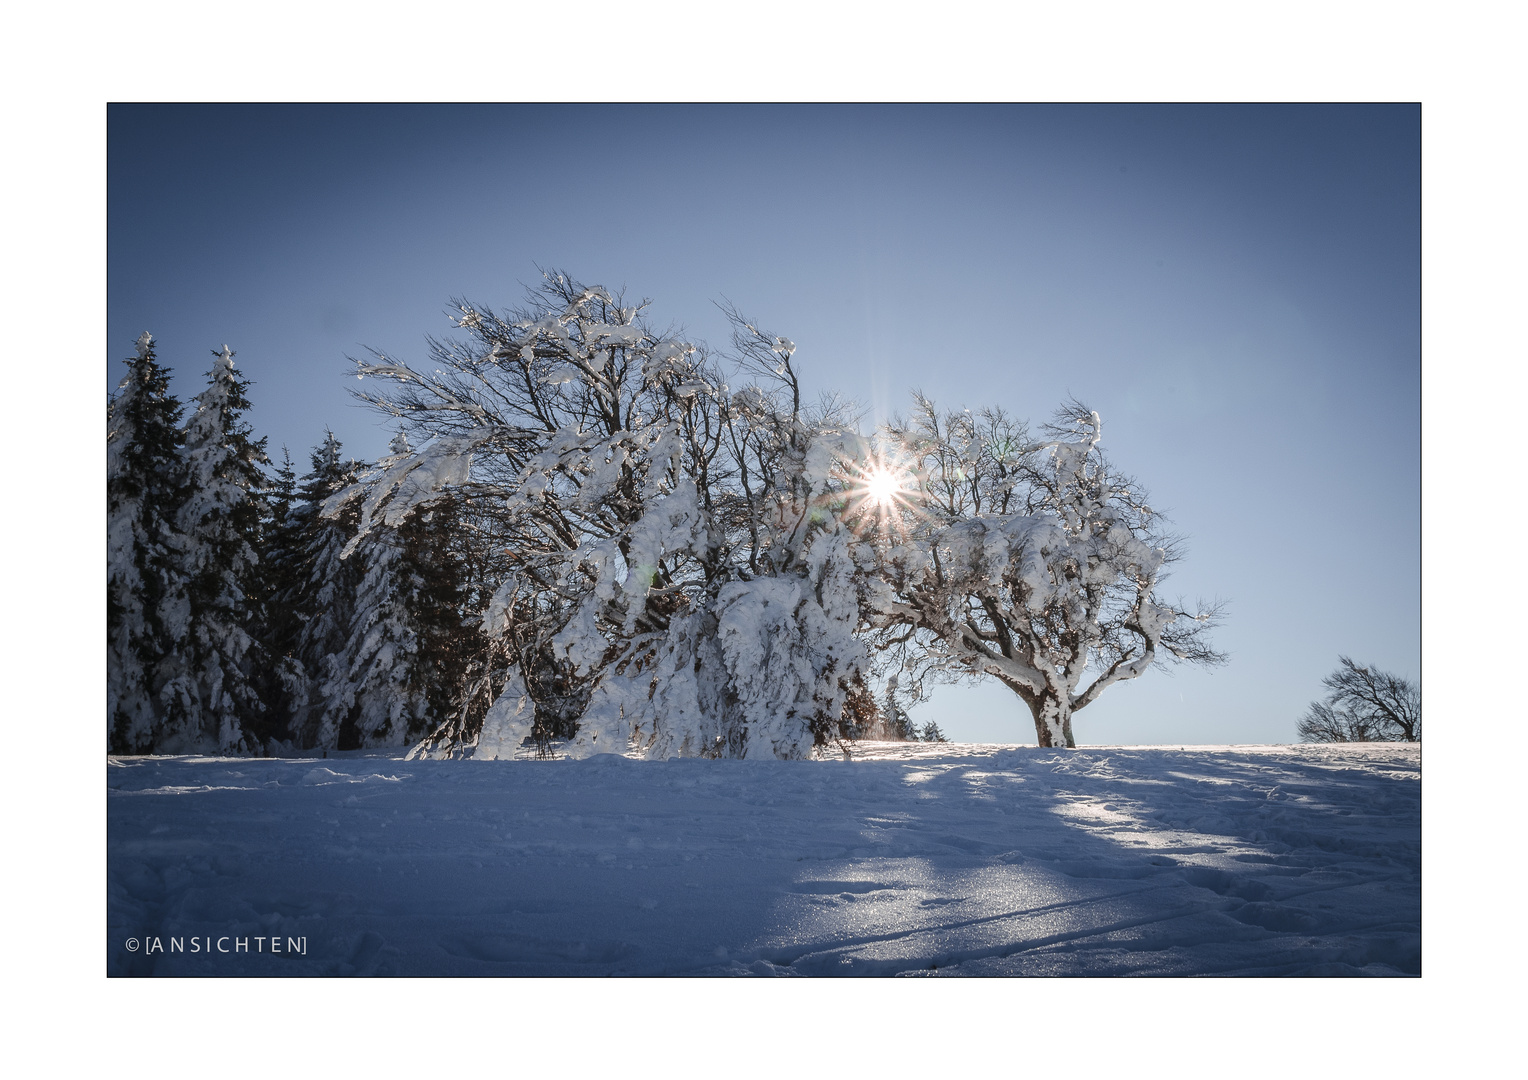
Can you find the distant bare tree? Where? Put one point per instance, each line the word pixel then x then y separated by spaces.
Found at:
pixel 1364 704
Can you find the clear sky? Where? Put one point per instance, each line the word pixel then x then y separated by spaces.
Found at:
pixel 1236 289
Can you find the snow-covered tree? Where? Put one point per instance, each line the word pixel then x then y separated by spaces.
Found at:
pixel 1364 704
pixel 386 637
pixel 674 571
pixel 371 695
pixel 1034 562
pixel 279 550
pixel 311 593
pixel 283 683
pixel 211 698
pixel 145 590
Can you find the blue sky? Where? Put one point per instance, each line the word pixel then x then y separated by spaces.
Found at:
pixel 1236 289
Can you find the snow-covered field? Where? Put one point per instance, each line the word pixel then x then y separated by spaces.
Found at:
pixel 907 859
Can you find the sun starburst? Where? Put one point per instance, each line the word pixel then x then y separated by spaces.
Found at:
pixel 881 495
pixel 882 486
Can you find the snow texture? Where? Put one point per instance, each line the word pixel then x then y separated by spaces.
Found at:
pixel 905 860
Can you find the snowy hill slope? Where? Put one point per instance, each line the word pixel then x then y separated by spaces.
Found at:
pixel 907 859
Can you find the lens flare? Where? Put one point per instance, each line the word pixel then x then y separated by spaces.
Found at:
pixel 882 496
pixel 882 486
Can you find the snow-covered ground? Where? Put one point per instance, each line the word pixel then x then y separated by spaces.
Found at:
pixel 906 859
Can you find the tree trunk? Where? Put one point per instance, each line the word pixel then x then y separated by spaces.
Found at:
pixel 1053 721
pixel 1053 718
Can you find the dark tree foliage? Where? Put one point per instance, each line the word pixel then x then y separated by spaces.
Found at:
pixel 281 682
pixel 862 716
pixel 1364 704
pixel 446 612
pixel 312 591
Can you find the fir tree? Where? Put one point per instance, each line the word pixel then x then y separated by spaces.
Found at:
pixel 402 666
pixel 374 692
pixel 278 553
pixel 436 547
pixel 284 685
pixel 318 593
pixel 145 594
pixel 899 725
pixel 398 660
pixel 213 701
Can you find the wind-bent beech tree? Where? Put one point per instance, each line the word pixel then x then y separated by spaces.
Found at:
pixel 1035 563
pixel 674 576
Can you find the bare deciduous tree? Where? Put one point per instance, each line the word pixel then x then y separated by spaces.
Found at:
pixel 1364 704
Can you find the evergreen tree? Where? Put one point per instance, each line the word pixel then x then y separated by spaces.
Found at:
pixel 283 683
pixel 318 596
pixel 373 691
pixel 437 549
pixel 212 699
pixel 278 550
pixel 401 668
pixel 931 732
pixel 145 594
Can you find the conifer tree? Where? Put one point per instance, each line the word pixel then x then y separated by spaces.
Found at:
pixel 212 699
pixel 283 685
pixel 437 548
pixel 144 588
pixel 401 668
pixel 318 592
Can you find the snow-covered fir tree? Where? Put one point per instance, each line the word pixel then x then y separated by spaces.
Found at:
pixel 278 551
pixel 145 590
pixel 283 683
pixel 211 698
pixel 368 693
pixel 311 596
pixel 390 648
pixel 441 548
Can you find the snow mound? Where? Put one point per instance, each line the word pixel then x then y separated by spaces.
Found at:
pixel 321 777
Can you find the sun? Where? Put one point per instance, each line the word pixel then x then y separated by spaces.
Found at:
pixel 882 496
pixel 882 486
